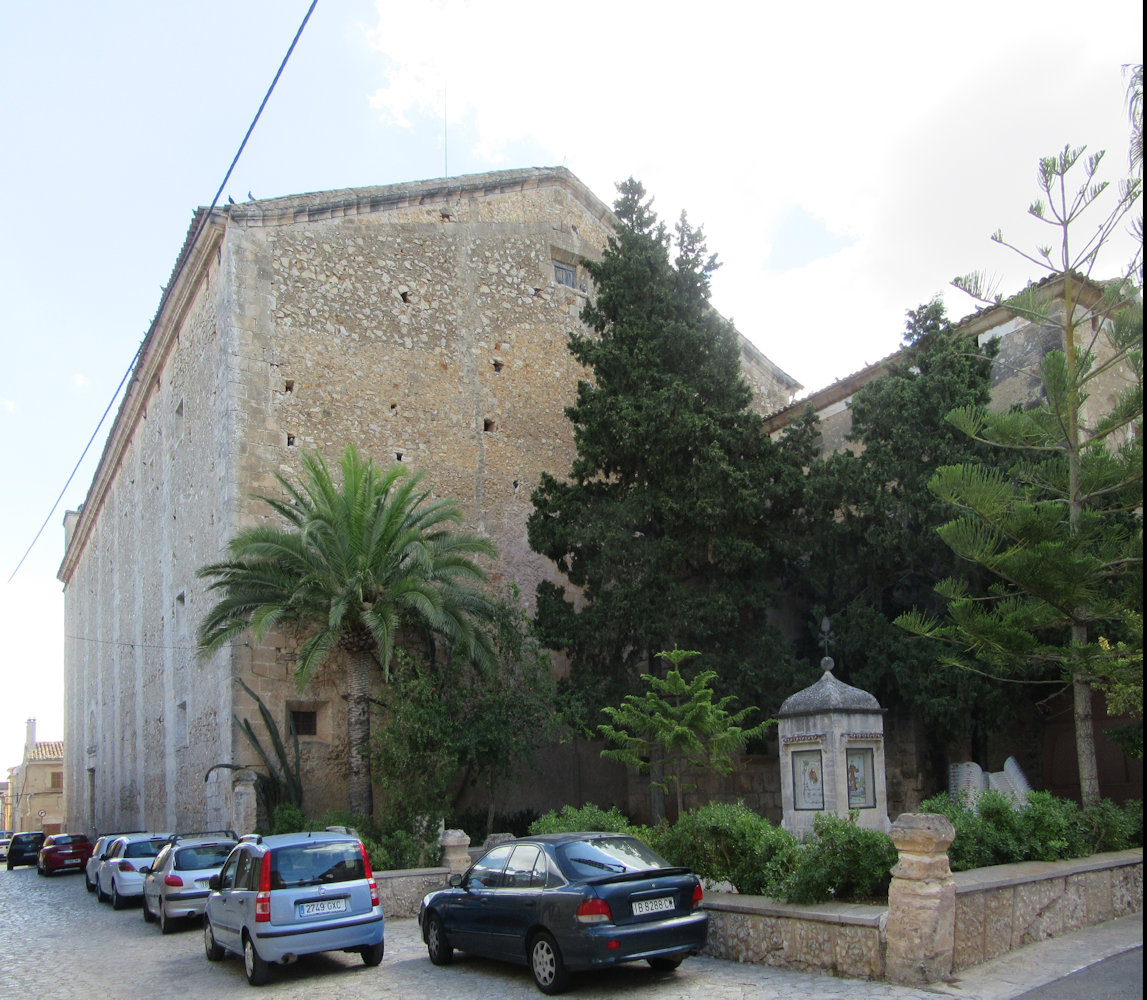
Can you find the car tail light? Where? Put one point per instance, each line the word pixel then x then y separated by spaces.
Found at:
pixel 594 911
pixel 369 873
pixel 263 896
pixel 172 880
pixel 126 866
pixel 698 895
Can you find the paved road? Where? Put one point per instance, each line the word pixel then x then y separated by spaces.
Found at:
pixel 58 943
pixel 1117 978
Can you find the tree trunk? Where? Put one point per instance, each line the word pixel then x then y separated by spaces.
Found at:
pixel 1085 742
pixel 360 792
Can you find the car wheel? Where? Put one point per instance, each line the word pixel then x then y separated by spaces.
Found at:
pixel 372 954
pixel 253 965
pixel 118 902
pixel 214 952
pixel 166 926
pixel 100 894
pixel 663 964
pixel 88 882
pixel 148 916
pixel 546 964
pixel 438 945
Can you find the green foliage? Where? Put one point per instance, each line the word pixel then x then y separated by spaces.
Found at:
pixel 842 861
pixel 992 831
pixel 727 842
pixel 589 817
pixel 677 722
pixel 454 718
pixel 674 521
pixel 875 553
pixel 353 565
pixel 1060 528
pixel 288 818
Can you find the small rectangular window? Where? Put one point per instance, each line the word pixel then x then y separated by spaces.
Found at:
pixel 305 723
pixel 565 275
pixel 57 780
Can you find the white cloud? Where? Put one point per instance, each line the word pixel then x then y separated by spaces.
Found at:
pixel 79 381
pixel 908 129
pixel 9 405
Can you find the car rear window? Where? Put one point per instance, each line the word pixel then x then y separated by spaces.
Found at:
pixel 316 863
pixel 64 838
pixel 612 855
pixel 143 848
pixel 203 856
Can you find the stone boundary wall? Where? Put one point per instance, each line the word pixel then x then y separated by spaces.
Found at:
pixel 998 910
pixel 402 890
pixel 1003 908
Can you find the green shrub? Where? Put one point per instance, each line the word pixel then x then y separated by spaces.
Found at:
pixel 400 849
pixel 729 842
pixel 288 818
pixel 841 862
pixel 1046 828
pixel 588 817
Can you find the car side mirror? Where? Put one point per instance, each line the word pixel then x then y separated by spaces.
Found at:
pixel 145 870
pixel 455 881
pixel 213 883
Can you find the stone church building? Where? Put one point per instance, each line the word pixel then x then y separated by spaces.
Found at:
pixel 426 323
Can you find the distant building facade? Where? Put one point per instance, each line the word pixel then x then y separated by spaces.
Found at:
pixel 425 323
pixel 35 798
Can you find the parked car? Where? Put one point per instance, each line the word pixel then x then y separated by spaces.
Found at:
pixel 176 883
pixel 565 902
pixel 93 862
pixel 293 894
pixel 63 852
pixel 118 876
pixel 24 849
pixel 5 840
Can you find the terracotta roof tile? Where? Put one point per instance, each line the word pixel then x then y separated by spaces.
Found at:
pixel 51 750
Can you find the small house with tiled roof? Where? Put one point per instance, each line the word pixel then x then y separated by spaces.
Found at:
pixel 36 785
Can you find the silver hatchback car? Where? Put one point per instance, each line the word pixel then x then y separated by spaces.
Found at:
pixel 294 894
pixel 176 883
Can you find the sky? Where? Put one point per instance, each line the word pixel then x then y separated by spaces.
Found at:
pixel 845 161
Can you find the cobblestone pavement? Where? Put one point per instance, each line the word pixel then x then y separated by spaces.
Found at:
pixel 57 942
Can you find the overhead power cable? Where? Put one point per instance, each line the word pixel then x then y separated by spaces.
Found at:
pixel 167 290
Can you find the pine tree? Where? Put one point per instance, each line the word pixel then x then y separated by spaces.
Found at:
pixel 666 527
pixel 1061 529
pixel 876 553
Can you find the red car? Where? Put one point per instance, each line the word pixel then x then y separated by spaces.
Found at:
pixel 64 852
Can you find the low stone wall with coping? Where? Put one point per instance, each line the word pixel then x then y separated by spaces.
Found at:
pixel 1003 908
pixel 402 890
pixel 996 911
pixel 845 939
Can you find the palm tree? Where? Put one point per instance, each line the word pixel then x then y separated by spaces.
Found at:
pixel 353 565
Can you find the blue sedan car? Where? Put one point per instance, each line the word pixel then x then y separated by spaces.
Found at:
pixel 566 902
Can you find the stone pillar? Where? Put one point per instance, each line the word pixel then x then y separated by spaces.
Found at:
pixel 244 803
pixel 455 856
pixel 921 933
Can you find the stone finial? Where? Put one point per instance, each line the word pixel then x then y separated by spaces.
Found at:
pixel 922 840
pixel 455 853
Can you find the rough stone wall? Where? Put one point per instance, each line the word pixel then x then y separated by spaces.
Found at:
pixel 143 717
pixel 422 323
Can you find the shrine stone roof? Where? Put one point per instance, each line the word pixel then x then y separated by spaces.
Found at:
pixel 829 695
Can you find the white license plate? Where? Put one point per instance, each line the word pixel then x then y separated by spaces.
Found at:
pixel 658 905
pixel 71 861
pixel 322 906
pixel 202 883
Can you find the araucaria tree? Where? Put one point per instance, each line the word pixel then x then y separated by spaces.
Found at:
pixel 662 525
pixel 352 565
pixel 1060 529
pixel 679 721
